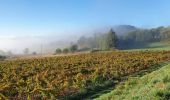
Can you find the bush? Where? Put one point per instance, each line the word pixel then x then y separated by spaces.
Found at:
pixel 65 50
pixel 34 53
pixel 58 51
pixel 73 48
pixel 2 57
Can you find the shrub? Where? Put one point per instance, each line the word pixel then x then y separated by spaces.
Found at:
pixel 58 51
pixel 65 50
pixel 2 57
pixel 73 48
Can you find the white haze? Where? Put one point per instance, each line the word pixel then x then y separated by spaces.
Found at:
pixel 48 42
pixel 17 44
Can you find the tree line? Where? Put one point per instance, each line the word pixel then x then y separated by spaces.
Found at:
pixel 111 40
pixel 73 48
pixel 107 41
pixel 142 37
pixel 138 37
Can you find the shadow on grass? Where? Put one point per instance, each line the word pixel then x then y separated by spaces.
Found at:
pixel 89 93
pixel 137 74
pixel 149 70
pixel 108 86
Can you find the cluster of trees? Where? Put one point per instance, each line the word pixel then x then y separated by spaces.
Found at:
pixel 111 40
pixel 142 37
pixel 107 41
pixel 2 57
pixel 138 37
pixel 26 51
pixel 73 48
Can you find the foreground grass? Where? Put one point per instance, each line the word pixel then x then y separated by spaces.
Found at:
pixel 154 86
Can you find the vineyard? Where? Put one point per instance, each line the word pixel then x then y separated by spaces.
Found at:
pixel 58 77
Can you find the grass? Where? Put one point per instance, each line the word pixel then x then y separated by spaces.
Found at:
pixel 153 86
pixel 122 79
pixel 153 46
pixel 159 46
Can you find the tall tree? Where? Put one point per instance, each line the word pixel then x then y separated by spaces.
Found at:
pixel 111 40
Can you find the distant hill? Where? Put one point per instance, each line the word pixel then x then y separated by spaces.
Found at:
pixel 123 29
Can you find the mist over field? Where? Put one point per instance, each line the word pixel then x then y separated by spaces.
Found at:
pixel 48 42
pixel 34 43
pixel 84 49
pixel 57 24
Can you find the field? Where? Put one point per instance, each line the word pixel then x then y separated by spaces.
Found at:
pixel 155 46
pixel 154 86
pixel 72 77
pixel 159 46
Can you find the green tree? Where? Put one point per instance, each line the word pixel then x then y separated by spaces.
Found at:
pixel 73 48
pixel 65 50
pixel 103 42
pixel 111 40
pixel 58 51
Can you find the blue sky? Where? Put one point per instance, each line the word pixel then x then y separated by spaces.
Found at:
pixel 28 23
pixel 39 17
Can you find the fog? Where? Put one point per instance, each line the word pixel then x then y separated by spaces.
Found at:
pixel 55 24
pixel 48 42
pixel 16 44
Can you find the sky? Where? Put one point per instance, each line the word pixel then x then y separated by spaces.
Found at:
pixel 27 19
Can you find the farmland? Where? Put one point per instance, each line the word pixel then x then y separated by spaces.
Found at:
pixel 71 76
